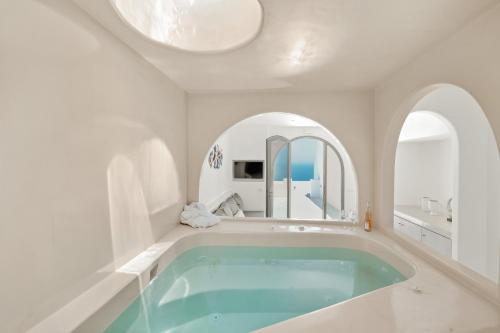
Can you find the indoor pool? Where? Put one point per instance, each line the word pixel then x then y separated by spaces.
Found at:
pixel 242 288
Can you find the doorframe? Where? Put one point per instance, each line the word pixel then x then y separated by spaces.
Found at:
pixel 270 165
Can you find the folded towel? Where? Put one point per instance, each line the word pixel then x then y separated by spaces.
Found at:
pixel 197 216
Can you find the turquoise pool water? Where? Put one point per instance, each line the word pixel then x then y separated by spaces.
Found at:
pixel 233 289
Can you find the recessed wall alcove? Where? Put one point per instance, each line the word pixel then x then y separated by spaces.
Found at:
pixel 303 170
pixel 475 174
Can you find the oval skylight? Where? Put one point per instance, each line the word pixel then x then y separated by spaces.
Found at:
pixel 194 25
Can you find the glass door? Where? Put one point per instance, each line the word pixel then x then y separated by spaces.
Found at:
pixel 307 165
pixel 277 177
pixel 304 179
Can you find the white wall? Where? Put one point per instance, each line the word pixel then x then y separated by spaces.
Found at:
pixel 92 156
pixel 216 183
pixel 347 115
pixel 238 143
pixel 424 169
pixel 249 143
pixel 474 68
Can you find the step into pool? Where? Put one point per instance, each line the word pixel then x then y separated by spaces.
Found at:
pixel 238 289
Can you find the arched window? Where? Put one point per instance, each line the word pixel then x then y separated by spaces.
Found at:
pixel 305 178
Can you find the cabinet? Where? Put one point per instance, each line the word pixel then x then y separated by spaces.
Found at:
pixel 433 240
pixel 408 228
pixel 437 242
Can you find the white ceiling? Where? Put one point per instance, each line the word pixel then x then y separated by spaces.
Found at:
pixel 308 44
pixel 424 126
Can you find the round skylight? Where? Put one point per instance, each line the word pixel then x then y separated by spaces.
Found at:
pixel 194 25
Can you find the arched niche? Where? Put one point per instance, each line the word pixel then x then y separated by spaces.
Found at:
pixel 264 126
pixel 478 174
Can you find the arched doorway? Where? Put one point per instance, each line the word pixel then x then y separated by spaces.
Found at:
pixel 475 194
pixel 426 181
pixel 305 178
pixel 251 149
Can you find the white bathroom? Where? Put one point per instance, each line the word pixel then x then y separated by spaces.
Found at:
pixel 267 166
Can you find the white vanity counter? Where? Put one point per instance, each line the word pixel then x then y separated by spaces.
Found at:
pixel 433 231
pixel 435 223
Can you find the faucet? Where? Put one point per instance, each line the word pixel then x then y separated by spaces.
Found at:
pixel 448 208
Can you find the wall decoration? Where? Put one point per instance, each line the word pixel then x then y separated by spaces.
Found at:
pixel 215 157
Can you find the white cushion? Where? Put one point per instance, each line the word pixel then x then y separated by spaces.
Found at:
pixel 239 213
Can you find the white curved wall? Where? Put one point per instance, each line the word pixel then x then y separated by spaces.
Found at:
pixel 215 183
pixel 92 156
pixel 423 125
pixel 424 169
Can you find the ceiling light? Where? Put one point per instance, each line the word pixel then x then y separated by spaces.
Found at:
pixel 300 53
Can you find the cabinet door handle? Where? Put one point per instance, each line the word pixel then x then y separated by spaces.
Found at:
pixel 423 235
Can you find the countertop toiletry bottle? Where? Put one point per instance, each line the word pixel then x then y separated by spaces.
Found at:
pixel 368 218
pixel 424 203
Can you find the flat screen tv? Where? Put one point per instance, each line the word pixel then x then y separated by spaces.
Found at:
pixel 248 170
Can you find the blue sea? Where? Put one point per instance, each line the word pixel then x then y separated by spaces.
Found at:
pixel 304 156
pixel 300 172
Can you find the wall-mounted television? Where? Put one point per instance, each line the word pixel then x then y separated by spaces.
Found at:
pixel 248 170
